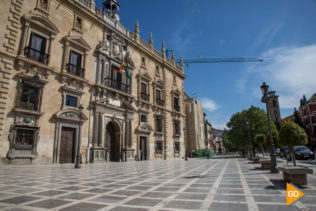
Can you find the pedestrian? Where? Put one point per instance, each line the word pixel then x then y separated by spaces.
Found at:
pixel 207 154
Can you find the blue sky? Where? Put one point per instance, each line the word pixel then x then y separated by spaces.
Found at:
pixel 282 32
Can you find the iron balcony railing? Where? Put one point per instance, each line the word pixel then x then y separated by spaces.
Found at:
pixel 177 108
pixel 160 102
pixel 36 55
pixel 75 70
pixel 144 96
pixel 117 85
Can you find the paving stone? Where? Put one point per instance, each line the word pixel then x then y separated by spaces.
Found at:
pixel 266 207
pixel 195 196
pixel 108 199
pixel 49 203
pixel 167 189
pixel 78 196
pixel 230 186
pixel 121 208
pixel 143 202
pixel 83 206
pixel 184 204
pixel 50 193
pixel 237 191
pixel 235 198
pixel 98 190
pixel 19 199
pixel 197 190
pixel 126 192
pixel 278 199
pixel 228 206
pixel 157 194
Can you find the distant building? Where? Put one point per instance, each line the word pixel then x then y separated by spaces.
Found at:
pixel 308 111
pixel 195 129
pixel 209 136
pixel 218 141
pixel 288 119
pixel 274 108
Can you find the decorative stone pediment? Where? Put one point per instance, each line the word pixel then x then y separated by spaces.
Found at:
pixel 71 114
pixel 128 106
pixel 41 21
pixel 129 61
pixel 144 128
pixel 145 76
pixel 159 82
pixel 177 91
pixel 74 87
pixel 78 41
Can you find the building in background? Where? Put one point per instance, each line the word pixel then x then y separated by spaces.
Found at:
pixel 308 112
pixel 274 108
pixel 58 55
pixel 218 141
pixel 195 125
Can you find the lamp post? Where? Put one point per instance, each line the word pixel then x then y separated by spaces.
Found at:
pixel 249 138
pixel 265 99
pixel 78 165
pixel 185 145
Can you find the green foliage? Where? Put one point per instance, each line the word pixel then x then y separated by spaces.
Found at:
pixel 298 118
pixel 227 142
pixel 259 138
pixel 237 134
pixel 292 134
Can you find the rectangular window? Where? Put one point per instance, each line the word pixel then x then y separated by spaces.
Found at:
pixel 144 91
pixel 25 137
pixel 176 103
pixel 159 100
pixel 143 118
pixel 159 124
pixel 44 4
pixel 71 101
pixel 177 146
pixel 78 23
pixel 37 48
pixel 158 146
pixel 74 65
pixel 177 128
pixel 30 98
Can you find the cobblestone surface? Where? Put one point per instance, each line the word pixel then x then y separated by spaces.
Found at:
pixel 198 184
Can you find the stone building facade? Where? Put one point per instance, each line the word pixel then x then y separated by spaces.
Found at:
pixel 195 125
pixel 274 108
pixel 71 71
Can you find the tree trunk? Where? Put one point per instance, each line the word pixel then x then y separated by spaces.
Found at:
pixel 253 151
pixel 262 150
pixel 293 155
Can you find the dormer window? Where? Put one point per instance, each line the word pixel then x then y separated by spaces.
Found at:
pixel 143 63
pixel 36 50
pixel 157 71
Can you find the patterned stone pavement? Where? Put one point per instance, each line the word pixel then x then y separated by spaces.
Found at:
pixel 198 184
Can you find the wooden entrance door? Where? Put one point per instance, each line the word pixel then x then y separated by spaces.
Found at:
pixel 112 142
pixel 67 145
pixel 143 148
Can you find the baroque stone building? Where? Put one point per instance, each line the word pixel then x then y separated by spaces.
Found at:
pixel 71 71
pixel 195 125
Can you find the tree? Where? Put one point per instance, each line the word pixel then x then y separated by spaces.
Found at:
pixel 298 118
pixel 238 128
pixel 291 135
pixel 260 139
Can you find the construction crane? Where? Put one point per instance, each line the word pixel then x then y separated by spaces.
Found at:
pixel 219 60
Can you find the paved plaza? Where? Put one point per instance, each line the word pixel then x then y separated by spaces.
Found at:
pixel 198 184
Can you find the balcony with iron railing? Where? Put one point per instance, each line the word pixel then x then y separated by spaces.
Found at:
pixel 160 102
pixel 36 55
pixel 117 85
pixel 176 108
pixel 75 70
pixel 144 96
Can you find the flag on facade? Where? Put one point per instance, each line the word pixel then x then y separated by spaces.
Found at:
pixel 128 75
pixel 121 67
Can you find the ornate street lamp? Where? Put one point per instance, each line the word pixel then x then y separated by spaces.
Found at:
pixel 78 165
pixel 185 145
pixel 265 99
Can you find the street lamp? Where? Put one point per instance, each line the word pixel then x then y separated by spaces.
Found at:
pixel 78 165
pixel 249 138
pixel 265 98
pixel 185 145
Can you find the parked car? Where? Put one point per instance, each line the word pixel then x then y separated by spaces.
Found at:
pixel 277 151
pixel 284 151
pixel 303 152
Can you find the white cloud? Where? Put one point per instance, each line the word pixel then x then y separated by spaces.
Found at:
pixel 209 104
pixel 267 35
pixel 289 71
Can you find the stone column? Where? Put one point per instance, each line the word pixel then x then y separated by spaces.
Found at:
pixel 98 70
pixel 66 56
pixel 24 36
pixel 49 50
pixel 95 129
pixel 85 62
pixel 100 132
pixel 130 125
